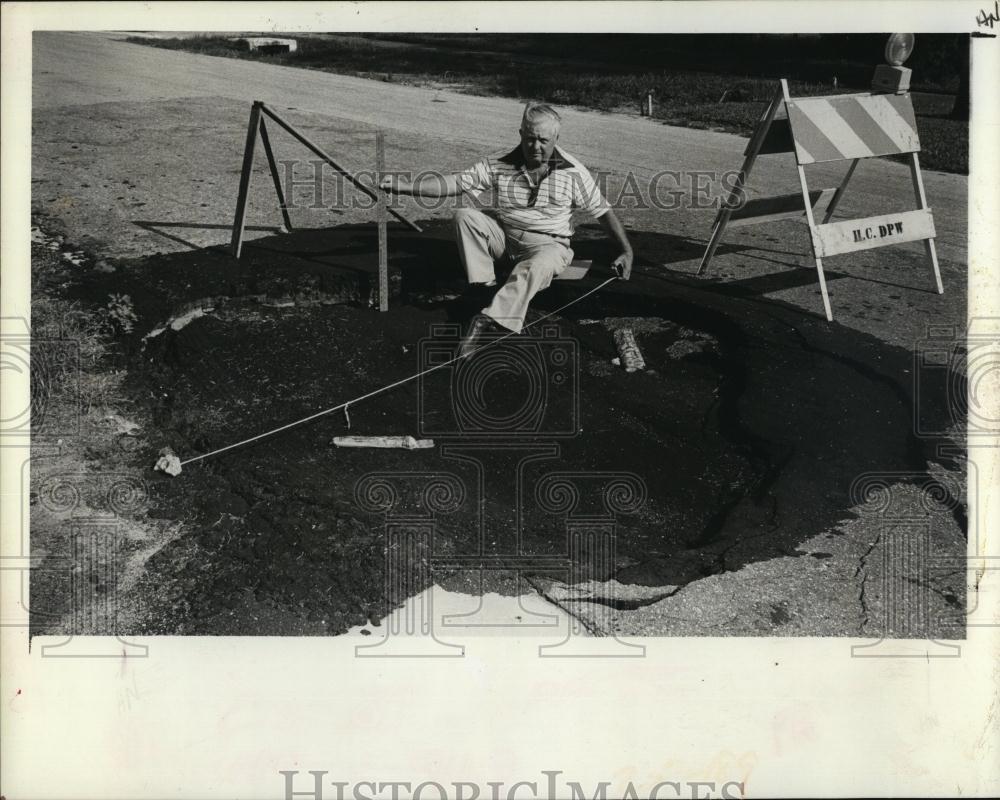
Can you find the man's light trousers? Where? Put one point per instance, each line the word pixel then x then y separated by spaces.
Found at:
pixel 537 259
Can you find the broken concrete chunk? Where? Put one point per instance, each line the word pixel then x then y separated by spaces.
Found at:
pixel 628 349
pixel 120 424
pixel 612 593
pixel 168 462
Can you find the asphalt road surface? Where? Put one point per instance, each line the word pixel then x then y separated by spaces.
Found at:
pixel 86 69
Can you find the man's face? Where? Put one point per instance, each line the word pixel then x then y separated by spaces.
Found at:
pixel 538 140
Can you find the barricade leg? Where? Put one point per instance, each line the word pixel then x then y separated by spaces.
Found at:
pixel 929 249
pixel 720 225
pixel 840 192
pixel 750 157
pixel 812 241
pixel 273 167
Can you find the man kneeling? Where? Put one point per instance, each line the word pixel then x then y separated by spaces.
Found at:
pixel 536 187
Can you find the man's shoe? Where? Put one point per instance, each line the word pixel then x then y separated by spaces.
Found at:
pixel 480 326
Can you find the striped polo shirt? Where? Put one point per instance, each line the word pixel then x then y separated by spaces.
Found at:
pixel 543 208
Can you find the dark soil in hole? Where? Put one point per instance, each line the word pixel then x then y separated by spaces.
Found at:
pixel 745 432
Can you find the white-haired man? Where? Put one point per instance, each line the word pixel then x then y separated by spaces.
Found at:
pixel 536 187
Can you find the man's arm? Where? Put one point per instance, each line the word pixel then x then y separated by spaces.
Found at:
pixel 616 231
pixel 427 186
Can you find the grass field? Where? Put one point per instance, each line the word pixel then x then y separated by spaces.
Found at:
pixel 590 71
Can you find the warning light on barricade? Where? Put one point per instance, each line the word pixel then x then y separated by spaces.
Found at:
pixel 893 76
pixel 898 48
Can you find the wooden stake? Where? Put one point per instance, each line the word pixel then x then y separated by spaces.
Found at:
pixel 383 233
pixel 241 199
pixel 273 166
pixel 357 183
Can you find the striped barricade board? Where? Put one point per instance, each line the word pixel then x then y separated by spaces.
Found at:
pixel 819 130
pixel 845 127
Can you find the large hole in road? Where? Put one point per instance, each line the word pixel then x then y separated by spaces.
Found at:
pixel 745 431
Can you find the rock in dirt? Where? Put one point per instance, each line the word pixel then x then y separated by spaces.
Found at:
pixel 168 463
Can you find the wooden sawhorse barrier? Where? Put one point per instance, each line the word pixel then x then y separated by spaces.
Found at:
pixel 847 127
pixel 257 126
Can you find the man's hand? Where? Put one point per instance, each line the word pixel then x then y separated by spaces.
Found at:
pixel 622 266
pixel 395 185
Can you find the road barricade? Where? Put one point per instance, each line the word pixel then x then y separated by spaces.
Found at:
pixel 847 127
